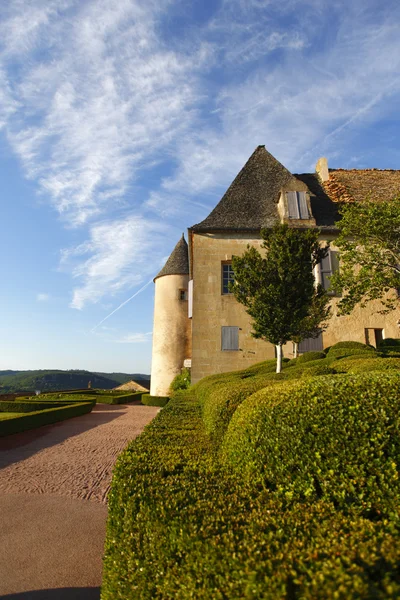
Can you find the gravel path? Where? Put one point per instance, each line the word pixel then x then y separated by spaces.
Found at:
pixel 53 492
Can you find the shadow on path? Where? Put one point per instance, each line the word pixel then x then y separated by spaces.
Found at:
pixel 57 594
pixel 19 446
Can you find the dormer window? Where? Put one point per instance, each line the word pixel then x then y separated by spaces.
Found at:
pixel 297 205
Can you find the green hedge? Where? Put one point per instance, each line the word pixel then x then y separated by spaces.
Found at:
pixel 362 364
pixel 24 407
pixel 183 525
pixel 336 438
pixel 119 399
pixel 59 397
pixel 307 356
pixel 148 400
pixel 44 417
pixel 391 342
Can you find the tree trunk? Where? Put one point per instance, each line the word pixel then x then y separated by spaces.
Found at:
pixel 279 357
pixel 296 349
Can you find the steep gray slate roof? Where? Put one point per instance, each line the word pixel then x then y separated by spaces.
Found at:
pixel 178 262
pixel 250 201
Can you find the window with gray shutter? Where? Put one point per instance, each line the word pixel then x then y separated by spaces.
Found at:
pixel 297 205
pixel 329 265
pixel 229 338
pixel 303 208
pixel 312 344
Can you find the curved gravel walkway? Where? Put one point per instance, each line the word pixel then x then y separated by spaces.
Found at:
pixel 53 490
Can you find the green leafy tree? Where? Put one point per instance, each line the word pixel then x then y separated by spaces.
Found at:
pixel 277 289
pixel 317 319
pixel 369 244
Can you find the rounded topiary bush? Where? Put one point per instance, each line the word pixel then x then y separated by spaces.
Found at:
pixel 373 364
pixel 343 349
pixel 308 356
pixel 392 342
pixel 358 345
pixel 334 437
pixel 318 370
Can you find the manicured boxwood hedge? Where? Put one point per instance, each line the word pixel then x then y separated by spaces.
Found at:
pixel 119 399
pixel 148 400
pixel 183 524
pixel 336 438
pixel 59 397
pixel 307 356
pixel 24 407
pixel 35 419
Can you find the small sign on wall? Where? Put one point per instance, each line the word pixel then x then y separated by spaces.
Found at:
pixel 187 363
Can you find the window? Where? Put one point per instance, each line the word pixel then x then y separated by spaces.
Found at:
pixel 229 338
pixel 328 266
pixel 297 205
pixel 182 294
pixel 227 275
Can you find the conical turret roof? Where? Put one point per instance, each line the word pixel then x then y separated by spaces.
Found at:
pixel 251 200
pixel 178 262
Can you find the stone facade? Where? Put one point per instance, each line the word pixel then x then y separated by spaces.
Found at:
pixel 263 193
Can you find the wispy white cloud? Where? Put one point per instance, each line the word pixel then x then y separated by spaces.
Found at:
pixel 42 297
pixel 119 255
pixel 130 128
pixel 107 97
pixel 134 338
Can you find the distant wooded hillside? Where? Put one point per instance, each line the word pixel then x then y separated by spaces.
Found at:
pixel 52 380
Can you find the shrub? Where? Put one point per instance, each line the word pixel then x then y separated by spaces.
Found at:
pixel 392 342
pixel 307 356
pixel 119 399
pixel 26 406
pixel 220 398
pixel 35 419
pixel 148 400
pixel 367 365
pixel 343 352
pixel 181 381
pixel 59 397
pixel 353 345
pixel 183 526
pixel 316 370
pixel 336 438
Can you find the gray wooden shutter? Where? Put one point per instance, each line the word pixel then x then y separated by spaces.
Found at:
pixel 230 338
pixel 326 271
pixel 302 203
pixel 312 344
pixel 293 211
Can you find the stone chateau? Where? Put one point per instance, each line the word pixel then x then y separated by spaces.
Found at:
pixel 198 323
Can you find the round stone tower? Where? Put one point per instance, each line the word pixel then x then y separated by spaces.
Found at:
pixel 171 329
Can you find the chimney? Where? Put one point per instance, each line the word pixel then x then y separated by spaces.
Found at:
pixel 322 169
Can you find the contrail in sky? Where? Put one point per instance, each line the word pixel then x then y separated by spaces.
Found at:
pixel 121 305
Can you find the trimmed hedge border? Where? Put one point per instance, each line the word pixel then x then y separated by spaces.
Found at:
pixel 26 407
pixel 160 401
pixel 120 399
pixel 184 525
pixel 43 417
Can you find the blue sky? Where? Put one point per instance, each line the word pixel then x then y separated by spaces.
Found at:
pixel 120 126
